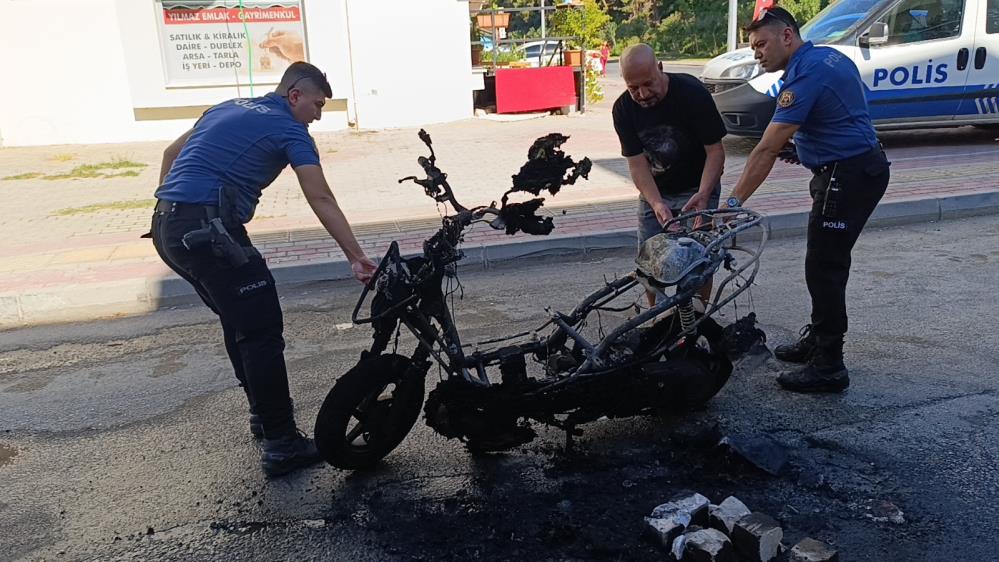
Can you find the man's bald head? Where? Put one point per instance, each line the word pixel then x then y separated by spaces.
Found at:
pixel 638 57
pixel 643 74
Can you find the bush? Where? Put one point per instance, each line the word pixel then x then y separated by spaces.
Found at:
pixel 588 23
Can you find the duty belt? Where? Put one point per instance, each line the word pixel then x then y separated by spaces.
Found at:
pixel 829 166
pixel 187 210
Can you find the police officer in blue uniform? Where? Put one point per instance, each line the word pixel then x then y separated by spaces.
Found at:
pixel 211 180
pixel 822 105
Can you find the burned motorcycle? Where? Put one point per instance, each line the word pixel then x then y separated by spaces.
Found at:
pixel 668 356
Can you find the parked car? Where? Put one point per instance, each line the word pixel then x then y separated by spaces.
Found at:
pixel 548 53
pixel 924 63
pixel 541 53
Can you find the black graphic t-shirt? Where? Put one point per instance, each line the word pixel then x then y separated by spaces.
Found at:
pixel 672 134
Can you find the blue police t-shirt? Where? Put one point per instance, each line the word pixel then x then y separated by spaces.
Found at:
pixel 824 95
pixel 243 143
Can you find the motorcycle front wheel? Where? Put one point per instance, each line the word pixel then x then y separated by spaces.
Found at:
pixel 368 412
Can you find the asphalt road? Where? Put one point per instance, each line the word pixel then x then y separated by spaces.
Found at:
pixel 127 439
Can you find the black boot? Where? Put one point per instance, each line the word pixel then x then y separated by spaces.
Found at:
pixel 799 351
pixel 290 452
pixel 824 372
pixel 257 424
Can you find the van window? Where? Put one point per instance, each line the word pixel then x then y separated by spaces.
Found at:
pixel 836 20
pixel 911 21
pixel 992 17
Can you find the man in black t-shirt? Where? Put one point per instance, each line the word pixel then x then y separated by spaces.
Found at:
pixel 670 132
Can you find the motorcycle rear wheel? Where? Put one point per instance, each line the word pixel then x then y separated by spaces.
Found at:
pixel 368 412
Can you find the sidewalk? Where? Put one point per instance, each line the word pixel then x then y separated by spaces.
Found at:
pixel 70 247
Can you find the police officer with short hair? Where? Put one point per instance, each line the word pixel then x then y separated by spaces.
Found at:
pixel 822 105
pixel 211 180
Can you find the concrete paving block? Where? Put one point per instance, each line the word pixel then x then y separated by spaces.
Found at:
pixel 686 510
pixel 663 531
pixel 811 550
pixel 724 516
pixel 757 536
pixel 706 545
pixel 83 255
pixel 10 310
pixel 969 205
pixel 140 250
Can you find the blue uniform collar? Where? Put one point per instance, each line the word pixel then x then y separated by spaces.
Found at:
pixel 798 55
pixel 279 100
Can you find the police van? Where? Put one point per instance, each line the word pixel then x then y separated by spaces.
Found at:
pixel 924 63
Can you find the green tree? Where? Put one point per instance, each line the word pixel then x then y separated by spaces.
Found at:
pixel 803 10
pixel 588 23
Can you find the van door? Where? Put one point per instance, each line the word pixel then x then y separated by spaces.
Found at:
pixel 920 72
pixel 982 93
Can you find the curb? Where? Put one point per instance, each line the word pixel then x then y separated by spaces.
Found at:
pixel 84 302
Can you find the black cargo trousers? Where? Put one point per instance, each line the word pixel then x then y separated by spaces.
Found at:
pixel 844 194
pixel 246 301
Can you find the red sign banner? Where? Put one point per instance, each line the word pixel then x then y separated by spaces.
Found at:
pixel 181 16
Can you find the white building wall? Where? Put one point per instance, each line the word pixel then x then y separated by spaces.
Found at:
pixel 77 70
pixel 411 61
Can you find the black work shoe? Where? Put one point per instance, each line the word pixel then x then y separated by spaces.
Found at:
pixel 825 371
pixel 288 453
pixel 799 351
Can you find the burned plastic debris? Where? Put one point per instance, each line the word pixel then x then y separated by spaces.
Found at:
pixel 743 336
pixel 523 217
pixel 546 167
pixel 761 452
pixel 546 170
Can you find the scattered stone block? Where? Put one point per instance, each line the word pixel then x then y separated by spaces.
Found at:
pixel 706 545
pixel 689 510
pixel 811 550
pixel 757 536
pixel 724 516
pixel 663 531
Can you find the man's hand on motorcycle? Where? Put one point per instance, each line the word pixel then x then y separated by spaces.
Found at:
pixel 664 214
pixel 699 202
pixel 363 269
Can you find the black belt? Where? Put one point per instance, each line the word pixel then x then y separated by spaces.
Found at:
pixel 187 210
pixel 823 168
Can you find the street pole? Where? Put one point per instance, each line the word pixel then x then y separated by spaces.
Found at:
pixel 543 33
pixel 733 12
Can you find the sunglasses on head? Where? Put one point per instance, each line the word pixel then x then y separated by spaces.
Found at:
pixel 764 12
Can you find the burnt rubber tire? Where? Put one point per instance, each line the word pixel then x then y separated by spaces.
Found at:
pixel 706 377
pixel 389 416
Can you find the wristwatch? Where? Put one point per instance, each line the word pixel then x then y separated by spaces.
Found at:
pixel 733 202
